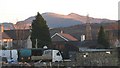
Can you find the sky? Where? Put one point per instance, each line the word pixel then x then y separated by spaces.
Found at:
pixel 17 10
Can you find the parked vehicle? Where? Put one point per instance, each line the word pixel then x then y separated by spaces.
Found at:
pixel 10 55
pixel 24 55
pixel 48 55
pixel 31 55
pixel 3 60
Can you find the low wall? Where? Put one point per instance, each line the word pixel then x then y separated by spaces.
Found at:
pixel 97 58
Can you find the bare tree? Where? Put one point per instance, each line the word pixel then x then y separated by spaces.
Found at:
pixel 20 31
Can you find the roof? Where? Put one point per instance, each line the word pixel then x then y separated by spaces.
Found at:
pixel 95 50
pixel 4 36
pixel 18 34
pixel 66 37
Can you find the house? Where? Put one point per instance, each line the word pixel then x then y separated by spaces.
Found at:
pixel 5 40
pixel 63 37
pixel 65 43
pixel 63 40
pixel 21 38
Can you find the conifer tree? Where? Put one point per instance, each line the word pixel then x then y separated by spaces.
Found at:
pixel 40 35
pixel 102 38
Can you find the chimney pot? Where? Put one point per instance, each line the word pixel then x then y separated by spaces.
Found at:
pixel 61 31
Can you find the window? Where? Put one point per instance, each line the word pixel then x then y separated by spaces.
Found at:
pixel 58 54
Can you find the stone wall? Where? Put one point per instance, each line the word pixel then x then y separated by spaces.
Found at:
pixel 97 58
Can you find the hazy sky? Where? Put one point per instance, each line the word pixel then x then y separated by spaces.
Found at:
pixel 16 10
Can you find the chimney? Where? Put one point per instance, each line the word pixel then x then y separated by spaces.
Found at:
pixel 2 28
pixel 61 31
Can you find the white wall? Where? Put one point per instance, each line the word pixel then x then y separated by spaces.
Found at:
pixel 29 43
pixel 82 38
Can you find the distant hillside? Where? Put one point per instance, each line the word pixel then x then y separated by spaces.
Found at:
pixel 78 30
pixel 81 18
pixel 57 20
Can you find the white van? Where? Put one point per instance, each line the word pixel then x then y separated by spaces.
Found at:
pixel 14 55
pixel 11 55
pixel 54 55
pixel 49 55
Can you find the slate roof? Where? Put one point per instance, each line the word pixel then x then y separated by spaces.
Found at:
pixel 4 36
pixel 68 36
pixel 65 36
pixel 18 34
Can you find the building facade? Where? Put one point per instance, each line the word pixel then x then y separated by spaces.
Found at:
pixel 5 40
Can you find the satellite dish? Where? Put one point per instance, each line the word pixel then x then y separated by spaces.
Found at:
pixel 45 47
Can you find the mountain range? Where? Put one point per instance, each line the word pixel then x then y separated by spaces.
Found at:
pixel 58 20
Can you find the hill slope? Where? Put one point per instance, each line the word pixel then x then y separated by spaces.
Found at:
pixel 57 20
